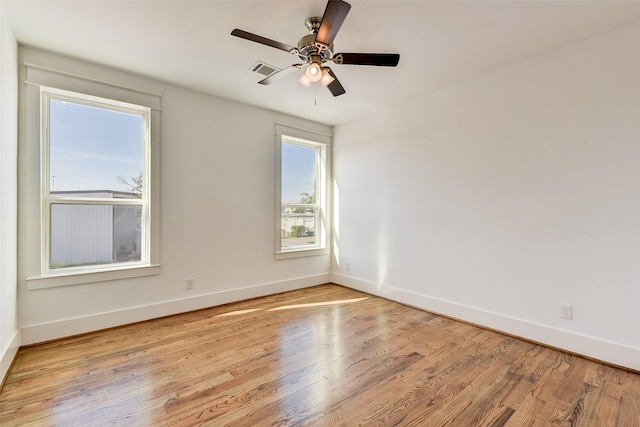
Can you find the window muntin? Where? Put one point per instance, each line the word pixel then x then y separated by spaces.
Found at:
pixel 302 175
pixel 95 182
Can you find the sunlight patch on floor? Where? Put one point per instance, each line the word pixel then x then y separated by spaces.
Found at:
pixel 317 304
pixel 288 307
pixel 238 312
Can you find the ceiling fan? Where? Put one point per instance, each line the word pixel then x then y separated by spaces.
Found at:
pixel 316 48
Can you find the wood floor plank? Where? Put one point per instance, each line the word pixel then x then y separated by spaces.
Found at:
pixel 322 356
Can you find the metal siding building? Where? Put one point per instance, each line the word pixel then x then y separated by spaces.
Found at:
pixel 94 234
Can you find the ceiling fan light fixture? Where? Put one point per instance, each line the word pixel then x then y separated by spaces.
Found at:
pixel 304 80
pixel 314 72
pixel 326 78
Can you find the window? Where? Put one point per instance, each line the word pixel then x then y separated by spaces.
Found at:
pixel 302 197
pixel 88 175
pixel 94 182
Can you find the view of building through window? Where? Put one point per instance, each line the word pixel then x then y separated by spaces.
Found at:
pixel 95 186
pixel 300 204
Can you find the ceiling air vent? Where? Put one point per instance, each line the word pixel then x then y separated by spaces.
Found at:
pixel 264 69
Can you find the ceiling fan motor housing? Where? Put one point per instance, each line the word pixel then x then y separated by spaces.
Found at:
pixel 307 47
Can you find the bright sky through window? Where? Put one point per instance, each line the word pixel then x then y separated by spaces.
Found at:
pixel 90 147
pixel 298 171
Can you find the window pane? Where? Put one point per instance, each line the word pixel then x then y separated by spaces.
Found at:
pixel 93 149
pixel 94 234
pixel 299 172
pixel 298 226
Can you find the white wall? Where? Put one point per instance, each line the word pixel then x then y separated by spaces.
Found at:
pixel 502 197
pixel 9 335
pixel 217 203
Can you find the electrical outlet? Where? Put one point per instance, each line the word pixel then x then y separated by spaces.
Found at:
pixel 347 266
pixel 189 283
pixel 566 311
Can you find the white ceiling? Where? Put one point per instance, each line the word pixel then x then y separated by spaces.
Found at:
pixel 188 43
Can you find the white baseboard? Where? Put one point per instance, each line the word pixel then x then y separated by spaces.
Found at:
pixel 590 347
pixel 8 354
pixel 33 334
pixel 594 348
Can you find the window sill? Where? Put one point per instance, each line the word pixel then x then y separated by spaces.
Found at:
pixel 299 253
pixel 79 278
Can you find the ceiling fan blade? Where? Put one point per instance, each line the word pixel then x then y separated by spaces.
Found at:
pixel 262 40
pixel 378 59
pixel 334 15
pixel 280 74
pixel 334 87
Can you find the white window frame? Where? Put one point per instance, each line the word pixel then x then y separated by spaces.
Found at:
pixel 43 84
pixel 47 95
pixel 322 143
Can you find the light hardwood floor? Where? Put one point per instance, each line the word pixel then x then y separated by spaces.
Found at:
pixel 323 356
